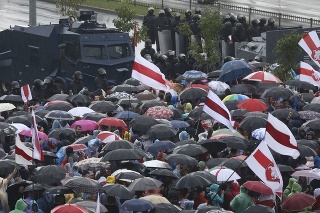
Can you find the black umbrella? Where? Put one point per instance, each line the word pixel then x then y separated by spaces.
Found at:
pixel 149 104
pixel 252 123
pixel 13 188
pixel 125 88
pixel 189 180
pixel 55 133
pixel 285 168
pixel 91 206
pixel 60 115
pixel 59 190
pixel 234 163
pixel 50 175
pixel 209 209
pixel 58 97
pixel 258 208
pixel 143 123
pixel 118 190
pixel 41 113
pixel 163 173
pixel 235 142
pixel 285 113
pixel 307 96
pixel 94 116
pixel 84 140
pixel 300 84
pixel 199 114
pixel 128 102
pixel 177 113
pixel 310 143
pixel 24 119
pixel 121 154
pixel 256 114
pixel 314 124
pixel 213 145
pixel 231 105
pixel 306 151
pixel 184 142
pixel 118 144
pixel 181 159
pixel 11 99
pixel 165 208
pixel 213 162
pixel 161 131
pixel 7 167
pixel 190 150
pixel 59 106
pixel 34 187
pixel 103 106
pixel 128 175
pixel 82 184
pixel 277 92
pixel 243 88
pixel 214 74
pixel 144 184
pixel 79 99
pixel 7 128
pixel 312 107
pixel 132 81
pixel 192 93
pixel 238 112
pixel 206 175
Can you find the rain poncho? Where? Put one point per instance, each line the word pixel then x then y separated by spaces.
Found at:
pixel 19 207
pixel 35 204
pixel 288 189
pixel 242 201
pixel 296 188
pixel 184 135
pixel 94 143
pixel 215 198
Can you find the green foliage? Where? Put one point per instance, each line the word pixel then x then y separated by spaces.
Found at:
pixel 286 53
pixel 69 7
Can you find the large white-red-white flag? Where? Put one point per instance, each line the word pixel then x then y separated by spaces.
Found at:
pixel 261 162
pixel 23 155
pixel 217 110
pixel 37 150
pixel 26 93
pixel 148 74
pixel 308 74
pixel 279 138
pixel 311 44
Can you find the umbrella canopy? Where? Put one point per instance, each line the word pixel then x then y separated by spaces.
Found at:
pixel 233 163
pixel 107 136
pixel 132 81
pixel 312 107
pixel 144 184
pixel 192 181
pixel 50 175
pixel 184 142
pixel 235 97
pixel 256 114
pixel 28 133
pixel 80 111
pixel 78 98
pixel 259 187
pixel 163 173
pixel 92 163
pixel 155 199
pixel 181 159
pixel 314 124
pixel 243 88
pixel 179 124
pixel 306 173
pixel 55 133
pixel 157 164
pixel 193 75
pixel 118 144
pixel 58 97
pixel 149 104
pixel 161 131
pixel 309 115
pixel 285 113
pixel 124 88
pixel 310 143
pixel 218 87
pixel 94 116
pixel 91 205
pixel 111 121
pixel 224 174
pixel 159 112
pixel 7 167
pixel 86 125
pixel 121 154
pixel 59 114
pixel 11 99
pixel 214 74
pixel 202 86
pixel 259 133
pixel 300 84
pixel 125 174
pixel 166 208
pixel 142 123
pixel 6 107
pixel 252 123
pixel 118 190
pixel 234 70
pixel 304 201
pixel 126 115
pixel 103 106
pixel 190 150
pixel 231 105
pixel 69 208
pixel 238 112
pixel 198 114
pixel 82 184
pixel 227 132
pixel 59 106
pixel 285 168
pixel 161 146
pixel 137 205
pixel 59 190
pixel 277 92
pixel 306 151
pixel 192 93
pixel 34 187
pixel 252 105
pixel 263 77
pixel 258 208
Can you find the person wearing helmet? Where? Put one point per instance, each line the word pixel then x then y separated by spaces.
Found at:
pixel 156 57
pixel 36 90
pixel 233 19
pixel 172 60
pixel 149 23
pixel 262 25
pixel 147 48
pixel 188 17
pixel 76 84
pixel 181 66
pixel 174 27
pixel 101 81
pixel 227 59
pixel 242 19
pixel 226 31
pixel 271 25
pixel 194 25
pixel 49 88
pixel 164 66
pixel 197 11
pixel 167 12
pixel 162 23
pixel 253 30
pixel 15 88
pixel 238 33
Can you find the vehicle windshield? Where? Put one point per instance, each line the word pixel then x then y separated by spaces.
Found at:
pixel 100 52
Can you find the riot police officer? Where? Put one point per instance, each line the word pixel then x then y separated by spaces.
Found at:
pixel 164 66
pixel 49 88
pixel 36 91
pixel 162 23
pixel 242 19
pixel 253 30
pixel 188 17
pixel 271 26
pixel 226 31
pixel 149 22
pixel 171 59
pixel 147 48
pixel 239 33
pixel 15 88
pixel 167 12
pixel 197 11
pixel 181 66
pixel 194 25
pixel 101 81
pixel 156 58
pixel 76 84
pixel 175 23
pixel 262 25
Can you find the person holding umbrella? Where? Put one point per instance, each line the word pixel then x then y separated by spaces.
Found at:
pixel 242 201
pixel 3 189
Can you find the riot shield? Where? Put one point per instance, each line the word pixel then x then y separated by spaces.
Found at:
pixel 180 43
pixel 165 41
pixel 227 49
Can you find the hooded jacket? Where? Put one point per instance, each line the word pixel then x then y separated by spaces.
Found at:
pixel 19 207
pixel 242 201
pixel 215 199
pixel 296 188
pixel 288 189
pixel 234 191
pixel 33 202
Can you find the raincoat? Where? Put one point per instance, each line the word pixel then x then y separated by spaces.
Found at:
pixel 33 202
pixel 242 201
pixel 288 189
pixel 215 198
pixel 296 188
pixel 19 207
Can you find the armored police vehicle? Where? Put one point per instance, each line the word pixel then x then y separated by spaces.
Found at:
pixel 58 50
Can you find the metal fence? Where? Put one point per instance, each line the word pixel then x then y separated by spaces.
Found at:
pixel 223 7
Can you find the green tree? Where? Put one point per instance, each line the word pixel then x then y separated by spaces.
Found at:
pixel 286 54
pixel 69 7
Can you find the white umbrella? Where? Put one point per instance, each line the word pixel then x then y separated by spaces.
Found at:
pixel 315 100
pixel 6 107
pixel 144 184
pixel 123 170
pixel 218 87
pixel 80 111
pixel 224 174
pixel 157 164
pixel 314 173
pixel 19 127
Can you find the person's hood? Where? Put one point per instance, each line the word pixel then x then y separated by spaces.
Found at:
pixel 55 124
pixel 96 132
pixel 188 108
pixel 33 202
pixel 201 165
pixel 20 205
pixel 291 181
pixel 243 189
pixel 174 99
pixel 183 135
pixel 235 188
pixel 295 131
pixel 214 188
pixel 296 188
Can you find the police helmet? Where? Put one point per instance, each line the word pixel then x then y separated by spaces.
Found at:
pixel 148 43
pixel 196 17
pixel 262 21
pixel 47 80
pixel 177 14
pixel 239 26
pixel 226 18
pixel 101 71
pixel 228 24
pixel 182 57
pixel 197 10
pixel 233 18
pixel 258 58
pixel 271 21
pixel 254 22
pixel 77 75
pixel 156 56
pixel 37 83
pixel 150 9
pixel 15 85
pixel 161 12
pixel 228 58
pixel 170 53
pixel 188 13
pixel 240 17
pixel 167 9
pixel 163 58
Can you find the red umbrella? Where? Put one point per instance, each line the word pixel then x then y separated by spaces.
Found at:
pixel 297 202
pixel 262 77
pixel 111 121
pixel 107 136
pixel 253 105
pixel 69 208
pixel 86 125
pixel 78 147
pixel 159 112
pixel 57 102
pixel 259 187
pixel 28 132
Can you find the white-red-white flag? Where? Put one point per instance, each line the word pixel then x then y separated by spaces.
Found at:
pixel 148 74
pixel 217 110
pixel 37 150
pixel 308 74
pixel 26 93
pixel 279 138
pixel 261 162
pixel 98 204
pixel 23 155
pixel 311 44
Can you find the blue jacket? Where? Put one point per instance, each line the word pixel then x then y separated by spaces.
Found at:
pixel 215 198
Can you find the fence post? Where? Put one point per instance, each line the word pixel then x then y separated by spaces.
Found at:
pixel 280 17
pixel 311 22
pixel 250 11
pixel 162 4
pixel 219 6
pixel 134 2
pixel 190 4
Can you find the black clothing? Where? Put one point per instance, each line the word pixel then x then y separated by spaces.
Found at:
pixel 149 51
pixel 101 82
pixel 149 22
pixel 76 86
pixel 252 32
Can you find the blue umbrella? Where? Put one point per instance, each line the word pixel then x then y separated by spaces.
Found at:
pixel 126 115
pixel 234 70
pixel 179 124
pixel 161 146
pixel 137 205
pixel 194 75
pixel 259 133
